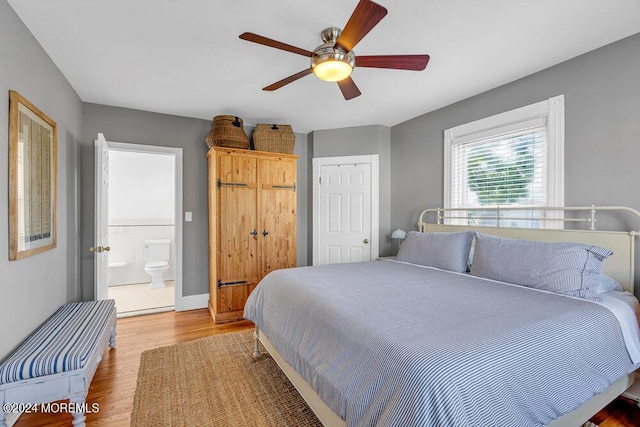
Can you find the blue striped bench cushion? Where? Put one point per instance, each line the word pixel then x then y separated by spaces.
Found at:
pixel 62 343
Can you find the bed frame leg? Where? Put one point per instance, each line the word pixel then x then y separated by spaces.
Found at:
pixel 256 348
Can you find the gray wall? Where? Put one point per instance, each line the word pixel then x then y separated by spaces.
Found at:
pixel 141 127
pixel 602 128
pixel 362 140
pixel 31 289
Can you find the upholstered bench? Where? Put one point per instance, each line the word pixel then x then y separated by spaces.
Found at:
pixel 59 359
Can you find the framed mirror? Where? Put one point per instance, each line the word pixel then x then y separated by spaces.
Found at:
pixel 32 179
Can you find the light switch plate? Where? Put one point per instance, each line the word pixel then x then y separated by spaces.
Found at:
pixel 188 216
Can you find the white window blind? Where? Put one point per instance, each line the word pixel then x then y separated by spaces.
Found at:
pixel 501 171
pixel 511 160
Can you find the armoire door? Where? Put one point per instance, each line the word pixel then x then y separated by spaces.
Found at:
pixel 252 224
pixel 238 237
pixel 277 214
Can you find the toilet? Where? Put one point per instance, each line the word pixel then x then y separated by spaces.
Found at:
pixel 156 260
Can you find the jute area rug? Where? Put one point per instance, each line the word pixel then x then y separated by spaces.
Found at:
pixel 214 381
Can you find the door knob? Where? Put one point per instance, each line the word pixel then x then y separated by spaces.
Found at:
pixel 365 241
pixel 93 249
pixel 106 248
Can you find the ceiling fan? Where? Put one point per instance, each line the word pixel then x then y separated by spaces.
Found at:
pixel 334 60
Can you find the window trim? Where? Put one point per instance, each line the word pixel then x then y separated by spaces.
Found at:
pixel 551 110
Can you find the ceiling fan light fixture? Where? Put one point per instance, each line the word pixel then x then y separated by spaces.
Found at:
pixel 332 70
pixel 332 64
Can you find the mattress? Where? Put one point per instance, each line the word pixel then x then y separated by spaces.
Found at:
pixel 387 343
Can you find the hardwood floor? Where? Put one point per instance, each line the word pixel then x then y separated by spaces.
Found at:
pixel 114 383
pixel 622 412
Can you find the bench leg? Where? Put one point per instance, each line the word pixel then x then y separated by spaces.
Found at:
pixel 112 339
pixel 78 417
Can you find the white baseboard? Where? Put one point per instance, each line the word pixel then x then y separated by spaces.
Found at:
pixel 146 311
pixel 194 302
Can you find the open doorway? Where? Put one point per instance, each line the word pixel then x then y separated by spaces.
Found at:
pixel 140 228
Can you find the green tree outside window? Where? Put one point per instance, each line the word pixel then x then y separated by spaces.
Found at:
pixel 499 178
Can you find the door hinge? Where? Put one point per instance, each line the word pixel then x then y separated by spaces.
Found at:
pixel 232 283
pixel 230 184
pixel 293 187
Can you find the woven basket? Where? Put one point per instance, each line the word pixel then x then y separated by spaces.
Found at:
pixel 274 138
pixel 227 131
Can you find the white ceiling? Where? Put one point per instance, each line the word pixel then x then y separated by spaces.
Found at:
pixel 184 57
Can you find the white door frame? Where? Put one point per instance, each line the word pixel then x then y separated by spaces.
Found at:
pixel 101 293
pixel 373 160
pixel 101 259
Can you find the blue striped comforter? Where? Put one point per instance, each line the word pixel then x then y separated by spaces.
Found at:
pixel 388 344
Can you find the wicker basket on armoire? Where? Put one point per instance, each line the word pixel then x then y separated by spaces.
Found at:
pixel 227 131
pixel 274 138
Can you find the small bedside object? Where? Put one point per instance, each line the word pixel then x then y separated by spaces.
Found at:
pixel 399 234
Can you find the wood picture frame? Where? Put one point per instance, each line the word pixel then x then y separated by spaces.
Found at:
pixel 32 179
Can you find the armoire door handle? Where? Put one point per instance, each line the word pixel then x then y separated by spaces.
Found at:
pixel 264 233
pixel 254 233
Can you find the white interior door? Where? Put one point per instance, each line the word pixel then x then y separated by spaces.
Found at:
pixel 101 244
pixel 346 227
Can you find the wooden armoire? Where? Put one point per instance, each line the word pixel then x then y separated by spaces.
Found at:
pixel 252 224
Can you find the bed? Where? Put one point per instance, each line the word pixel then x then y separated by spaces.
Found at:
pixel 421 341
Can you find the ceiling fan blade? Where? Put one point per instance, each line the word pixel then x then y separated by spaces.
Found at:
pixel 274 43
pixel 365 16
pixel 348 88
pixel 396 62
pixel 287 80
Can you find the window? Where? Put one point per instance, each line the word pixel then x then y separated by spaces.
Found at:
pixel 514 159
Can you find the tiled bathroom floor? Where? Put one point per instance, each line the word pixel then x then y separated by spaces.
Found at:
pixel 139 299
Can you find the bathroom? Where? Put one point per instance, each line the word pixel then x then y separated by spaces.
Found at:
pixel 141 232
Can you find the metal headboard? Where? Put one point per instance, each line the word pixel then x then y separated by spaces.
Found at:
pixel 620 265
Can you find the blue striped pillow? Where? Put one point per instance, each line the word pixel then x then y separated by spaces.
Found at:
pixel 566 268
pixel 448 251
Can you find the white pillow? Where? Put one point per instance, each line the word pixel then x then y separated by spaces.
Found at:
pixel 607 284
